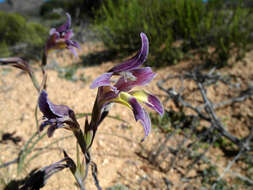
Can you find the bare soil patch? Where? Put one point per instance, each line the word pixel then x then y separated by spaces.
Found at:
pixel 117 143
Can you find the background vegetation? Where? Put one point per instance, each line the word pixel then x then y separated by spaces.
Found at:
pixel 178 29
pixel 20 37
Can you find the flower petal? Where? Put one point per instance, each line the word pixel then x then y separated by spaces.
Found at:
pixel 73 51
pixel 66 26
pixel 154 103
pixel 75 44
pixel 142 77
pixel 123 99
pixel 135 61
pixel 102 80
pixel 59 110
pixel 68 35
pixel 149 99
pixel 146 123
pixel 71 45
pixel 53 31
pixel 51 110
pixel 142 115
pixel 107 93
pixel 44 124
pixel 44 106
pixel 52 128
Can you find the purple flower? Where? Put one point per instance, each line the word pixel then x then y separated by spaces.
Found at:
pixel 60 38
pixel 130 75
pixel 56 116
pixel 16 62
pixel 38 178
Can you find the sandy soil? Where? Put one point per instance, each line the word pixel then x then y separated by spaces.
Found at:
pixel 116 143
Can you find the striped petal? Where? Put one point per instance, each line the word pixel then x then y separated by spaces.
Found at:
pixel 149 99
pixel 66 26
pixel 135 61
pixel 142 76
pixel 142 115
pixel 102 80
pixel 51 110
pixel 139 113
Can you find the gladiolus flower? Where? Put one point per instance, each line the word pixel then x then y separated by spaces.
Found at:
pixel 60 38
pixel 56 116
pixel 131 75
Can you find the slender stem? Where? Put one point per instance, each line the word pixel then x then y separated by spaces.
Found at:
pixel 34 81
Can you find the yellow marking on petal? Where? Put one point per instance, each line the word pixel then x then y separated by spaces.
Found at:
pixel 123 99
pixel 124 96
pixel 123 102
pixel 140 95
pixel 61 45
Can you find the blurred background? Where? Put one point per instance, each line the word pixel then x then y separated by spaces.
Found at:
pixel 204 140
pixel 177 29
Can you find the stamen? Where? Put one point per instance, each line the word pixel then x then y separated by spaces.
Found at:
pixel 128 75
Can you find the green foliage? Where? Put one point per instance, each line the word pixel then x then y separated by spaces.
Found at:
pixel 4 52
pixel 177 29
pixel 15 30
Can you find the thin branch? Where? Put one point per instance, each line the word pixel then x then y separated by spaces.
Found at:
pixel 215 120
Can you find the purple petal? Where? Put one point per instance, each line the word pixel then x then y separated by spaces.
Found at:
pixel 73 51
pixel 103 80
pixel 51 110
pixel 155 104
pixel 146 123
pixel 59 110
pixel 142 115
pixel 135 61
pixel 75 44
pixel 44 106
pixel 53 31
pixel 44 124
pixel 108 94
pixel 66 26
pixel 71 45
pixel 51 129
pixel 68 35
pixel 143 76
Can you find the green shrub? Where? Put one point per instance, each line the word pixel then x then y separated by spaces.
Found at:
pixel 177 29
pixel 4 52
pixel 15 31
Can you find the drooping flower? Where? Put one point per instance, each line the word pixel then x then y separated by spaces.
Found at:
pixel 56 116
pixel 37 178
pixel 16 62
pixel 130 75
pixel 60 38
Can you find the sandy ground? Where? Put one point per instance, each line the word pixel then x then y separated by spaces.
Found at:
pixel 116 143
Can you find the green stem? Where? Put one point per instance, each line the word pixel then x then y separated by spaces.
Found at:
pixel 35 82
